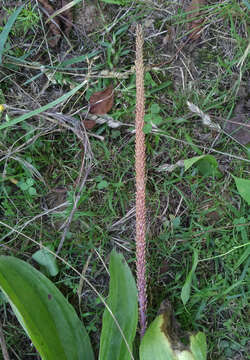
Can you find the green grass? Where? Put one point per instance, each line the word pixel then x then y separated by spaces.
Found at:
pixel 185 210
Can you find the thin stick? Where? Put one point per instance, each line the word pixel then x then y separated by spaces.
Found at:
pixel 3 344
pixel 140 183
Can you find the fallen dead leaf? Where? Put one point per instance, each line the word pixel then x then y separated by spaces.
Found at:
pixel 89 124
pixel 195 18
pixel 101 102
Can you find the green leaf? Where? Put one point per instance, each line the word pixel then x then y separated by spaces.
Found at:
pixel 208 168
pixel 247 4
pixel 209 158
pixel 32 191
pixel 42 108
pixel 161 343
pixel 198 346
pixel 5 32
pixel 147 128
pixel 46 260
pixel 156 343
pixel 122 301
pixel 102 185
pixel 155 109
pixel 148 118
pixel 243 257
pixel 243 187
pixel 30 182
pixel 47 317
pixel 157 119
pixel 185 291
pixel 206 164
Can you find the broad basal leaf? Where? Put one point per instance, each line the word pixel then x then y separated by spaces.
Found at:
pixel 122 300
pixel 161 341
pixel 198 346
pixel 155 343
pixel 47 317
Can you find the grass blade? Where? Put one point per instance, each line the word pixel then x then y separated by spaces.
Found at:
pixel 43 108
pixel 4 34
pixel 185 292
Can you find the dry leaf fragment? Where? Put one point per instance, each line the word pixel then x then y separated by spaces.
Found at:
pixel 89 124
pixel 101 102
pixel 205 117
pixel 91 120
pixel 195 20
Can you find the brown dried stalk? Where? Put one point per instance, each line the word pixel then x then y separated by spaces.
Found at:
pixel 140 182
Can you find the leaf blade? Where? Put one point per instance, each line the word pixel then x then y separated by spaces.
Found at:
pixel 122 301
pixel 101 102
pixel 156 343
pixel 243 187
pixel 185 291
pixel 190 162
pixel 5 32
pixel 46 260
pixel 43 108
pixel 48 319
pixel 198 346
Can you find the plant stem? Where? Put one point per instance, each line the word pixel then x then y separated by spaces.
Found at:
pixel 140 182
pixel 3 344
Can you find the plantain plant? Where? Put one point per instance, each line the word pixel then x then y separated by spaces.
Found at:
pixel 52 323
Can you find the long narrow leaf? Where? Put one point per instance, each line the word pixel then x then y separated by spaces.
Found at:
pixel 122 301
pixel 5 32
pixel 185 291
pixel 47 317
pixel 43 108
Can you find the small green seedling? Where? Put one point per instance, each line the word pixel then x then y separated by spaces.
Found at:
pixel 26 20
pixel 27 186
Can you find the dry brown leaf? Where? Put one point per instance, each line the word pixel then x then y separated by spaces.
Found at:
pixel 101 102
pixel 89 124
pixel 196 21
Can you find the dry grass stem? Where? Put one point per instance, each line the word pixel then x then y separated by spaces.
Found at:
pixel 3 344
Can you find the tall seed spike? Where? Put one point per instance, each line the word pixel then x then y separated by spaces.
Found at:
pixel 140 182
